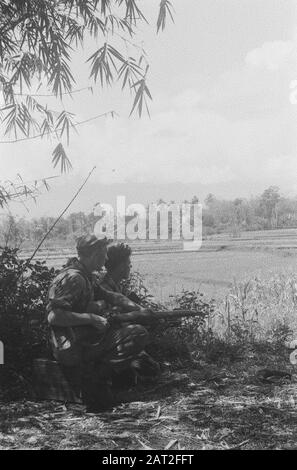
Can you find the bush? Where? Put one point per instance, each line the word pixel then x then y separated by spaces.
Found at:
pixel 134 287
pixel 193 327
pixel 173 344
pixel 182 343
pixel 23 326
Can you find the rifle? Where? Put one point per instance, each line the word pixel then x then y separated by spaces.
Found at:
pixel 89 335
pixel 148 317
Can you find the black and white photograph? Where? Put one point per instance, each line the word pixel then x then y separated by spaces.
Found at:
pixel 148 227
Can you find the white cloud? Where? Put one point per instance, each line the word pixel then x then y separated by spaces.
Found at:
pixel 180 144
pixel 187 99
pixel 237 131
pixel 272 55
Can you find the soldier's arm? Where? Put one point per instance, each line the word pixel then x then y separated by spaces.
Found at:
pixel 61 317
pixel 98 307
pixel 115 299
pixel 63 296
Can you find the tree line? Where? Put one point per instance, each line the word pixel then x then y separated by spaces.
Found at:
pixel 269 210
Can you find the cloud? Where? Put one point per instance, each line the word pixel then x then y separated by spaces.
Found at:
pixel 187 99
pixel 237 130
pixel 257 87
pixel 185 144
pixel 272 55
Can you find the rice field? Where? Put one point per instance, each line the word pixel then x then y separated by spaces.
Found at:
pixel 211 272
pixel 167 269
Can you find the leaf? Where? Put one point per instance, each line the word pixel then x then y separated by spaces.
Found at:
pixel 133 12
pixel 142 92
pixel 59 156
pixel 102 63
pixel 64 123
pixel 45 128
pixel 129 70
pixel 46 184
pixel 165 7
pixel 61 77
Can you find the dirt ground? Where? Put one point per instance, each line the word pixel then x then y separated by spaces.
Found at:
pixel 238 405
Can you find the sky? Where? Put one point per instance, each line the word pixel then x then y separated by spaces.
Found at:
pixel 221 119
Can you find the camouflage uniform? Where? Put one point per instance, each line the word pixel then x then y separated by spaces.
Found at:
pixel 109 291
pixel 72 290
pixel 109 284
pixel 99 356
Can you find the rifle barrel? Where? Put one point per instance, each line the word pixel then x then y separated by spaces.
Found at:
pixel 149 317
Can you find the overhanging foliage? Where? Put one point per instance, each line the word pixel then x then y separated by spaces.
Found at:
pixel 37 39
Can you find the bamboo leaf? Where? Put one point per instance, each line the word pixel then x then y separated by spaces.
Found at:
pixel 165 8
pixel 60 157
pixel 46 184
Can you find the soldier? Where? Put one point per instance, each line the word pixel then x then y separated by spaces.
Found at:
pixel 81 334
pixel 118 266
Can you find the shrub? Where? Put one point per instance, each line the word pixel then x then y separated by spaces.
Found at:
pixel 182 343
pixel 135 288
pixel 23 326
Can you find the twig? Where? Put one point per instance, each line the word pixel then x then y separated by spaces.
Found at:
pixel 57 220
pixel 78 90
pixel 171 444
pixel 144 445
pixel 237 446
pixel 53 131
pixel 158 412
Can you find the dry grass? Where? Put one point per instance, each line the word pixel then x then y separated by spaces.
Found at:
pixel 219 405
pixel 259 309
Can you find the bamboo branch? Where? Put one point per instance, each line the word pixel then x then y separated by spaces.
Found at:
pixel 57 220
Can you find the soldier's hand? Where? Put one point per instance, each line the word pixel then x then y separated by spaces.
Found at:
pixel 146 310
pixel 99 322
pixel 96 307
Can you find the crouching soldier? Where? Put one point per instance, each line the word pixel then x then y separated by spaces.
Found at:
pixel 81 334
pixel 109 290
pixel 112 289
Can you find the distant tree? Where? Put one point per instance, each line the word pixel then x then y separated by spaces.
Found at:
pixel 240 212
pixel 237 217
pixel 268 203
pixel 11 234
pixel 210 199
pixel 287 212
pixel 161 201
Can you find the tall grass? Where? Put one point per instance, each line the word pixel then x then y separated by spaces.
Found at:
pixel 259 309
